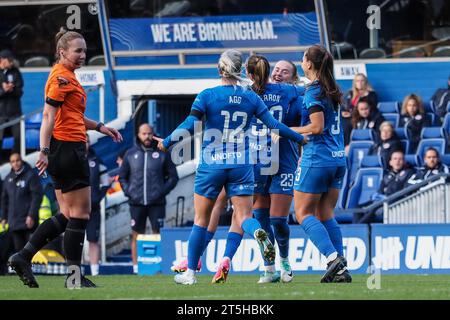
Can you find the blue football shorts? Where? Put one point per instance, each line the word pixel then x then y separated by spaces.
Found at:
pixel 237 181
pixel 318 180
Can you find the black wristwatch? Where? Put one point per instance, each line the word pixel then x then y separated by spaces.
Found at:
pixel 45 151
pixel 99 125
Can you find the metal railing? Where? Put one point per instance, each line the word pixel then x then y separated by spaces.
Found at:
pixel 430 204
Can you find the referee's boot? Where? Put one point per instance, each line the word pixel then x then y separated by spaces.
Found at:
pixel 335 267
pixel 265 245
pixel 23 269
pixel 72 283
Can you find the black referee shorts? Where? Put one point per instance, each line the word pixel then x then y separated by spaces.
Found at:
pixel 68 165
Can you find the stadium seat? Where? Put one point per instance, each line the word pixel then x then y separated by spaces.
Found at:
pixel 446 124
pixel 442 51
pixel 371 162
pixel 424 144
pixel 406 145
pixel 367 182
pixel 361 134
pixel 432 119
pixel 342 200
pixel 445 158
pixel 411 52
pixel 428 106
pixel 33 121
pixel 412 159
pixel 343 50
pixel 97 61
pixel 388 107
pixel 357 150
pixel 32 139
pixel 7 143
pixel 38 61
pixel 448 107
pixel 393 118
pixel 432 132
pixel 372 53
pixel 401 133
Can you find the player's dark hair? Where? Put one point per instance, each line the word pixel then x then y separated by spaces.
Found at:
pixel 323 64
pixel 62 39
pixel 259 68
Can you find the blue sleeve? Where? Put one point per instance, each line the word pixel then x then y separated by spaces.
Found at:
pixel 311 98
pixel 201 101
pixel 260 105
pixel 187 124
pixel 284 130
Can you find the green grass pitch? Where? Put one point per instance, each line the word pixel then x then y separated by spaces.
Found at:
pixel 304 287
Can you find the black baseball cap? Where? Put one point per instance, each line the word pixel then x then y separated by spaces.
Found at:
pixel 6 54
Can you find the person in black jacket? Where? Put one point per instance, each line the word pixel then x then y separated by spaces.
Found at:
pixel 395 179
pixel 440 99
pixel 99 186
pixel 147 175
pixel 413 118
pixel 21 198
pixel 433 166
pixel 386 144
pixel 11 85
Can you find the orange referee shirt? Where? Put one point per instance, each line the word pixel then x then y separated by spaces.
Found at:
pixel 63 91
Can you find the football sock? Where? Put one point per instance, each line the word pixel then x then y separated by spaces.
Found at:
pixel 318 235
pixel 250 225
pixel 196 245
pixel 46 232
pixel 74 240
pixel 334 231
pixel 233 242
pixel 263 216
pixel 208 238
pixel 282 232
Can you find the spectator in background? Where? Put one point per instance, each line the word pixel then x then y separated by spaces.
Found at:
pixel 394 179
pixel 433 166
pixel 360 89
pixel 147 175
pixel 364 116
pixel 386 143
pixel 21 199
pixel 413 118
pixel 115 185
pixel 11 84
pixel 441 98
pixel 98 179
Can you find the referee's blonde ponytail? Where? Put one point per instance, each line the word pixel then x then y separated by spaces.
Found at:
pixel 62 39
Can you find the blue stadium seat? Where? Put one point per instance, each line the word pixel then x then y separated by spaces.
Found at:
pixel 393 118
pixel 357 151
pixel 446 123
pixel 34 121
pixel 428 106
pixel 401 133
pixel 388 107
pixel 445 158
pixel 371 162
pixel 342 200
pixel 7 143
pixel 432 119
pixel 432 132
pixel 32 139
pixel 412 159
pixel 406 145
pixel 367 182
pixel 448 106
pixel 424 144
pixel 361 134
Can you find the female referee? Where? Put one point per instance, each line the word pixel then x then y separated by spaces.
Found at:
pixel 63 153
pixel 323 165
pixel 228 109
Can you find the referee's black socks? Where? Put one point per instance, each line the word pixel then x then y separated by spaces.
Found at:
pixel 46 232
pixel 74 240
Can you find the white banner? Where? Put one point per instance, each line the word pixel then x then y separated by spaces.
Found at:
pixel 90 77
pixel 347 71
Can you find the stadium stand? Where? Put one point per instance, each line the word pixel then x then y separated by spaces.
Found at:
pixel 367 183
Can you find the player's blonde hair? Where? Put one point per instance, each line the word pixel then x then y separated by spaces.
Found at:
pixel 230 64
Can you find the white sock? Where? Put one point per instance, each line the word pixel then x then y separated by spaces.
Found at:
pixel 94 269
pixel 270 268
pixel 135 268
pixel 332 256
